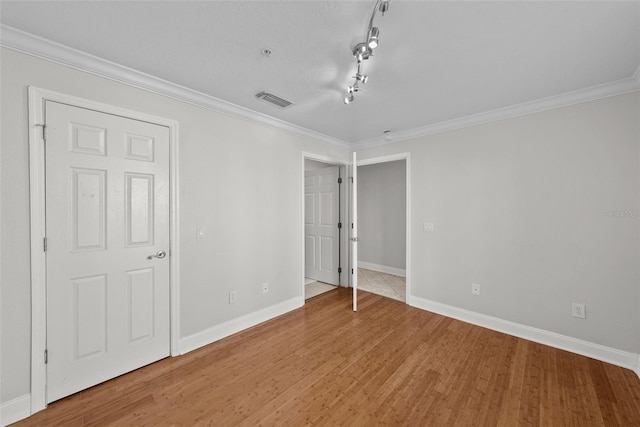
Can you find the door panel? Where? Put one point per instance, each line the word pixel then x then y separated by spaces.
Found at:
pixel 321 224
pixel 107 210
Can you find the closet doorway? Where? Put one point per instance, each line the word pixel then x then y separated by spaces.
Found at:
pixel 324 198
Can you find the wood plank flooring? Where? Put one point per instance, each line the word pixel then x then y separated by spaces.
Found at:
pixel 388 364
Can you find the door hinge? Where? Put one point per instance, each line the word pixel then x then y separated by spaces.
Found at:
pixel 44 244
pixel 46 357
pixel 44 132
pixel 339 180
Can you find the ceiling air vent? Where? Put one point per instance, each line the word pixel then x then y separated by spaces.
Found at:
pixel 275 100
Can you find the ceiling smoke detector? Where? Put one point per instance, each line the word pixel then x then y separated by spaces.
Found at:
pixel 275 100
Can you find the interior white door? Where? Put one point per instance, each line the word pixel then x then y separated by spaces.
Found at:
pixel 107 221
pixel 354 230
pixel 322 215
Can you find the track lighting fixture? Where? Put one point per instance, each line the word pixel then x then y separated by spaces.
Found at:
pixel 364 50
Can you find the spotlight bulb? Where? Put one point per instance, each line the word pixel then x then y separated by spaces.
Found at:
pixel 349 99
pixel 373 38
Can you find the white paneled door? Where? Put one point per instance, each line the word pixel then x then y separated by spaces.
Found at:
pixel 321 213
pixel 107 221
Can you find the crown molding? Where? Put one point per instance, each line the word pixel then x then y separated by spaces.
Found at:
pixel 619 87
pixel 14 39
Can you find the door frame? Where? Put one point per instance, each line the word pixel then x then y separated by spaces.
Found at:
pixel 37 180
pixel 344 213
pixel 407 158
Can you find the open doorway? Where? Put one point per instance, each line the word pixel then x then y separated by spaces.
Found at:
pixel 324 214
pixel 383 227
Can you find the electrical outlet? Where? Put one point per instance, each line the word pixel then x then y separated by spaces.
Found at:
pixel 232 297
pixel 578 310
pixel 475 289
pixel 265 288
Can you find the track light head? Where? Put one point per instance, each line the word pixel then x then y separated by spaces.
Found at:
pixel 361 78
pixel 373 38
pixel 384 6
pixel 349 99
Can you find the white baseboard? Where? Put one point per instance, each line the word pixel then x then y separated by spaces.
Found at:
pixel 383 268
pixel 15 410
pixel 595 351
pixel 233 326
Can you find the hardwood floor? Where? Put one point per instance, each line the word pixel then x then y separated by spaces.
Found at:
pixel 388 364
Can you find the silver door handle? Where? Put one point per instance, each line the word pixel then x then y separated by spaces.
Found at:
pixel 160 254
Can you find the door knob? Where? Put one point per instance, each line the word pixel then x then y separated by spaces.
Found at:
pixel 159 254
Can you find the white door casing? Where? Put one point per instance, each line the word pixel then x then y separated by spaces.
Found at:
pixel 107 211
pixel 354 230
pixel 321 213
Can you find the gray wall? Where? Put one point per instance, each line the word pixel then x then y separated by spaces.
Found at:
pixel 533 208
pixel 541 211
pixel 241 181
pixel 382 214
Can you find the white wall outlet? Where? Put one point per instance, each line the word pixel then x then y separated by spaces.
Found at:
pixel 475 289
pixel 578 310
pixel 232 297
pixel 199 232
pixel 265 288
pixel 428 227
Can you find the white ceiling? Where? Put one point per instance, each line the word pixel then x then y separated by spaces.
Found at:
pixel 437 61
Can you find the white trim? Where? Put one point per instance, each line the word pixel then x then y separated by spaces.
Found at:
pixel 618 87
pixel 15 410
pixel 37 97
pixel 407 158
pixel 596 351
pixel 382 268
pixel 24 42
pixel 230 327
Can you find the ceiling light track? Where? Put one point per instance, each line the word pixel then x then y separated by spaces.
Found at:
pixel 364 50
